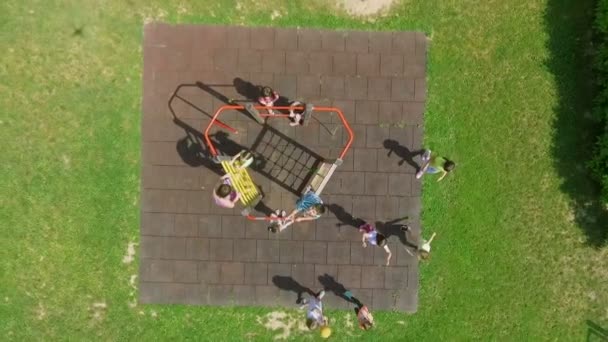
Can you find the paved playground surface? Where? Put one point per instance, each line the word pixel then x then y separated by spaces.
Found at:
pixel 193 252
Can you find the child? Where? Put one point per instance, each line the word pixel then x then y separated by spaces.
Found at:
pixel 267 98
pixel 371 235
pixel 224 195
pixel 278 218
pixel 296 117
pixel 435 164
pixel 365 318
pixel 314 314
pixel 424 249
pixel 310 205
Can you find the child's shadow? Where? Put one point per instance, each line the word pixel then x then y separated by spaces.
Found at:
pixel 393 146
pixel 345 218
pixel 393 228
pixel 289 284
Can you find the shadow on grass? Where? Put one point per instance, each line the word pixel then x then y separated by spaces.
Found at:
pixel 596 333
pixel 569 24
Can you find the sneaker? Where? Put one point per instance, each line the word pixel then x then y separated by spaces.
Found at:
pixel 405 228
pixel 321 294
pixel 419 174
pixel 426 155
pixel 283 213
pixel 296 120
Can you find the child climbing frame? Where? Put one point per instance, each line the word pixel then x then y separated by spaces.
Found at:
pixel 240 173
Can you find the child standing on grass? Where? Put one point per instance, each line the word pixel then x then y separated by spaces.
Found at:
pixel 364 316
pixel 435 164
pixel 371 235
pixel 424 247
pixel 314 314
pixel 268 98
pixel 224 195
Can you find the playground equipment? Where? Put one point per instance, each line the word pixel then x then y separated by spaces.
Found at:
pixel 236 167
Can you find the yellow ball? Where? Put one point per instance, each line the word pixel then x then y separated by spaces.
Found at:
pixel 325 332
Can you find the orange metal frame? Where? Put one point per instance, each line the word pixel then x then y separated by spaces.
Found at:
pixel 215 121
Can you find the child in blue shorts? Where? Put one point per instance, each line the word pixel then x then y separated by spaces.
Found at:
pixel 310 206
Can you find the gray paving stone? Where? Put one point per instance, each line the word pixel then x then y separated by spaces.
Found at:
pixel 210 226
pixel 157 270
pixel 387 208
pixel 151 247
pixel 296 62
pixel 403 89
pixel 376 136
pixel 186 225
pixel 352 182
pixel 366 112
pixel 233 227
pixel 319 63
pixel 364 207
pixel 365 159
pixel 173 248
pixel 379 88
pixel 286 39
pixel 376 183
pixel 160 224
pixel 357 41
pixel 338 253
pixel 197 249
pixel 186 271
pixel 381 42
pixel 309 39
pixel 327 230
pixel 372 277
pixel 349 276
pixel 344 63
pixel 291 252
pixel 232 273
pixel 391 65
pixel 245 250
pixel 256 273
pixel 383 299
pixel 333 40
pixel 400 184
pixel 315 252
pixel 368 64
pixel 360 255
pixel 355 87
pixel 395 277
pixel 221 249
pixel 304 231
pixel 209 272
pixel 267 251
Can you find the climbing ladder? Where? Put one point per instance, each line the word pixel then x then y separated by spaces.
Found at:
pixel 236 169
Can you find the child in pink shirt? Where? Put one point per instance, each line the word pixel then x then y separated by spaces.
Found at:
pixel 268 98
pixel 224 195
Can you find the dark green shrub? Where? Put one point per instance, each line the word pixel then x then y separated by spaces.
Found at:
pixel 599 163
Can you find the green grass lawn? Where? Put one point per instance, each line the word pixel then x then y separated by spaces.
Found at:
pixel 521 252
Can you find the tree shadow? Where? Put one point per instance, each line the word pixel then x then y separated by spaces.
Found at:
pixel 570 40
pixel 393 146
pixel 596 333
pixel 289 284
